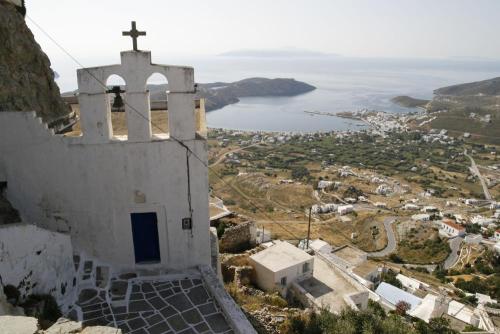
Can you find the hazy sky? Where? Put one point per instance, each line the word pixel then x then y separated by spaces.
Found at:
pixel 367 28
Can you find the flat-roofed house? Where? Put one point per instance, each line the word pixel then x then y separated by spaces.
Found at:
pixel 278 266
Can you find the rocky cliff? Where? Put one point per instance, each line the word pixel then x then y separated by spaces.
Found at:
pixel 26 79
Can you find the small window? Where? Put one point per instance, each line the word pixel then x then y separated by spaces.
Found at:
pixel 283 281
pixel 305 267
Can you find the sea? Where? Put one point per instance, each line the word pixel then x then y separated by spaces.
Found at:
pixel 343 84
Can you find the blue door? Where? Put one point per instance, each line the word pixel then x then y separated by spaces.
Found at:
pixel 145 235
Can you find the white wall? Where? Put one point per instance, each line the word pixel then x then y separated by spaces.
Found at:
pixel 37 261
pixel 269 280
pixel 88 185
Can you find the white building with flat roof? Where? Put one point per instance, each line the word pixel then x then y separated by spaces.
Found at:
pixel 278 266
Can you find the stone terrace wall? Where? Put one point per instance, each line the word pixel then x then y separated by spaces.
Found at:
pixel 238 238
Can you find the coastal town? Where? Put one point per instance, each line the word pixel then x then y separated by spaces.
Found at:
pixel 335 231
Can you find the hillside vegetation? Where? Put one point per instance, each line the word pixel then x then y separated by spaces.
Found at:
pixel 484 87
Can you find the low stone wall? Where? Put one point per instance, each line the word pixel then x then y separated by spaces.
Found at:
pixel 238 238
pixel 37 261
pixel 234 314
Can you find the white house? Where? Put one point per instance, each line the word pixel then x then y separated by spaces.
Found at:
pixel 421 217
pixel 497 235
pixel 278 266
pixel 324 184
pixel 451 228
pixel 345 209
pixel 411 283
pixel 429 209
pixel 411 206
pixel 474 239
pixel 134 201
pixel 482 221
pixel 463 313
pixel 391 296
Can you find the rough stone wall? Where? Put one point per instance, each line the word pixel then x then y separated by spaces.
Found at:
pixel 26 79
pixel 238 238
pixel 37 261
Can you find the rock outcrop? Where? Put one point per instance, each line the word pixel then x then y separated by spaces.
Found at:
pixel 26 79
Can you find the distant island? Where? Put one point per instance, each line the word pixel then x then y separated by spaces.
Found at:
pixel 409 102
pixel 277 53
pixel 220 94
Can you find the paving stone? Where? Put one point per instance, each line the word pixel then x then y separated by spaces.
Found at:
pixel 139 331
pixel 124 327
pixel 202 328
pixel 118 288
pixel 136 296
pixel 154 319
pixel 102 276
pixel 157 303
pixel 186 283
pixel 127 276
pixel 136 323
pixel 86 295
pixel 136 288
pixel 91 307
pixel 198 295
pixel 119 309
pixel 180 302
pixel 166 293
pixel 176 289
pixel 175 283
pixel 139 306
pixel 149 295
pixel 147 314
pixel 95 322
pixel 207 309
pixel 217 323
pixel 168 311
pixel 93 315
pixel 197 281
pixel 192 316
pixel 188 331
pixel 159 328
pixel 147 287
pixel 177 323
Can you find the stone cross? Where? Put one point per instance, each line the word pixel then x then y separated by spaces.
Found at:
pixel 134 33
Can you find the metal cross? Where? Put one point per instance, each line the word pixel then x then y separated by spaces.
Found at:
pixel 134 33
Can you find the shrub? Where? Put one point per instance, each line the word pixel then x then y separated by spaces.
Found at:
pixel 12 293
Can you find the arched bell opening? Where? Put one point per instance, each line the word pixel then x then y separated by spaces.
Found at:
pixel 116 90
pixel 157 86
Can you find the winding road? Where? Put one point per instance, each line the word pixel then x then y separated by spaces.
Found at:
pixel 476 171
pixel 455 248
pixel 391 239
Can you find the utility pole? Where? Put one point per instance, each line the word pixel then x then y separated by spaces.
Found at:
pixel 309 229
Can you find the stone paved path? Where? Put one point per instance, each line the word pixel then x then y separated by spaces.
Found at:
pixel 146 305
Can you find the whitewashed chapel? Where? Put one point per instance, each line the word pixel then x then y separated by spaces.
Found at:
pixel 130 203
pixel 133 201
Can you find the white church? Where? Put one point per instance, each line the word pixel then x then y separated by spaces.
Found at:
pixel 133 203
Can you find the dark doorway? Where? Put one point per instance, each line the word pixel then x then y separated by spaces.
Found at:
pixel 145 235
